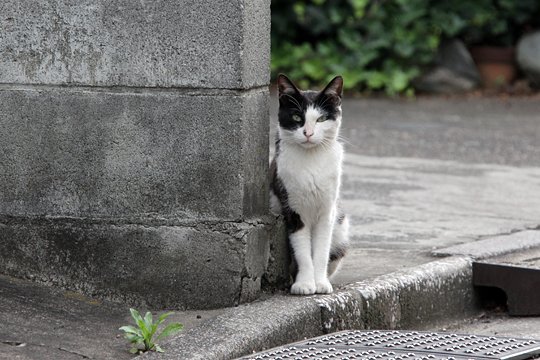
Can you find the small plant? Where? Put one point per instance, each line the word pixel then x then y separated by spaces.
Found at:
pixel 142 336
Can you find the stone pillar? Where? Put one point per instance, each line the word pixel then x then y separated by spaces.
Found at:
pixel 133 148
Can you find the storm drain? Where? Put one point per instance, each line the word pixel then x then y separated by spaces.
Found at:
pixel 408 345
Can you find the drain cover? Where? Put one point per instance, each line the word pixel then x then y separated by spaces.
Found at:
pixel 404 345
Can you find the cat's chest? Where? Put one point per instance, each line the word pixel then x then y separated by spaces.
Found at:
pixel 312 176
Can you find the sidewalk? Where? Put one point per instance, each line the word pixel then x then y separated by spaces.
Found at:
pixel 419 176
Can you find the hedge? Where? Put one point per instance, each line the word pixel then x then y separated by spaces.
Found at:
pixel 381 45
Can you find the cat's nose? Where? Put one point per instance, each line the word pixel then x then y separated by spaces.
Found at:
pixel 308 133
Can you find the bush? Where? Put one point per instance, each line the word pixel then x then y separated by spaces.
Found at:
pixel 380 45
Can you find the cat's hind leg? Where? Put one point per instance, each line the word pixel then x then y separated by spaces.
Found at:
pixel 340 244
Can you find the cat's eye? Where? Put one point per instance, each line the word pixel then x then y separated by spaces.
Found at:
pixel 296 118
pixel 322 118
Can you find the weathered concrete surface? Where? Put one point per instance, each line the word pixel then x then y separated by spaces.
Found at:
pixel 196 44
pixel 247 328
pixel 133 157
pixel 499 324
pixel 528 258
pixel 41 322
pixel 46 323
pixel 136 131
pixel 494 246
pixel 413 298
pixel 417 205
pixel 199 267
pixel 91 182
pixel 465 129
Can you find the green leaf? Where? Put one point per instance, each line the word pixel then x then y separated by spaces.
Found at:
pixel 140 322
pixel 170 329
pixel 134 338
pixel 135 315
pixel 399 81
pixel 158 348
pixel 164 316
pixel 376 79
pixel 148 320
pixel 130 329
pixel 335 16
pixel 134 350
pixel 299 10
pixel 359 7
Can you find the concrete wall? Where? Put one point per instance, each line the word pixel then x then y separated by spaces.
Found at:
pixel 133 150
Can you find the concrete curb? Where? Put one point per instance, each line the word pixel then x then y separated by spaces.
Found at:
pixel 426 295
pixel 496 245
pixel 419 297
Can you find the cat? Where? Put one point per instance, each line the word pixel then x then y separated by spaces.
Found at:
pixel 305 181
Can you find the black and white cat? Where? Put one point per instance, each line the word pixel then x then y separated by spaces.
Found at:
pixel 305 181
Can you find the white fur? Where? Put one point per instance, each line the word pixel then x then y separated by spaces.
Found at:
pixel 311 173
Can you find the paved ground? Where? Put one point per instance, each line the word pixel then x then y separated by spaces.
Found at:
pixel 41 323
pixel 499 324
pixel 469 130
pixel 419 175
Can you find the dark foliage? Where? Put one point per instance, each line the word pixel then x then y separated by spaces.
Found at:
pixel 381 45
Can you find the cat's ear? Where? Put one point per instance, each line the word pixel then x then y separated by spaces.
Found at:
pixel 286 86
pixel 334 87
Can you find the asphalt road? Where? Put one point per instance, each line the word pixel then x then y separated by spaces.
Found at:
pixel 471 130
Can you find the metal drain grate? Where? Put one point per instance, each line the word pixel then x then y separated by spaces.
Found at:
pixel 404 345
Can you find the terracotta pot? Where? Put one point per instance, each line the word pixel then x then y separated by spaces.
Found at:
pixel 496 65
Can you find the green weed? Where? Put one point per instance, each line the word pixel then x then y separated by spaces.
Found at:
pixel 143 336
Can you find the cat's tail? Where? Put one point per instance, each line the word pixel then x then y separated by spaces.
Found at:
pixel 340 243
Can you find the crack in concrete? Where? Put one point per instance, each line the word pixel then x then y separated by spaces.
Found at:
pixel 123 89
pixel 13 343
pixel 191 223
pixel 74 353
pixel 509 232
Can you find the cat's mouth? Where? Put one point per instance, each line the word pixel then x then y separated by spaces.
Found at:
pixel 308 144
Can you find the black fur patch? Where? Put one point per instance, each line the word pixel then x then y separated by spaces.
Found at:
pixel 292 219
pixel 341 218
pixel 337 253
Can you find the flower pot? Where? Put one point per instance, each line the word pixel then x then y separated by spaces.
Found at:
pixel 497 65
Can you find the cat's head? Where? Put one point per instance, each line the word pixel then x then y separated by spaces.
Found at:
pixel 309 118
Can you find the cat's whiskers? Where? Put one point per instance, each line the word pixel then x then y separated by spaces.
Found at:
pixel 326 144
pixel 344 140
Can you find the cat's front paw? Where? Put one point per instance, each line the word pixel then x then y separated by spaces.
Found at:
pixel 303 288
pixel 323 287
